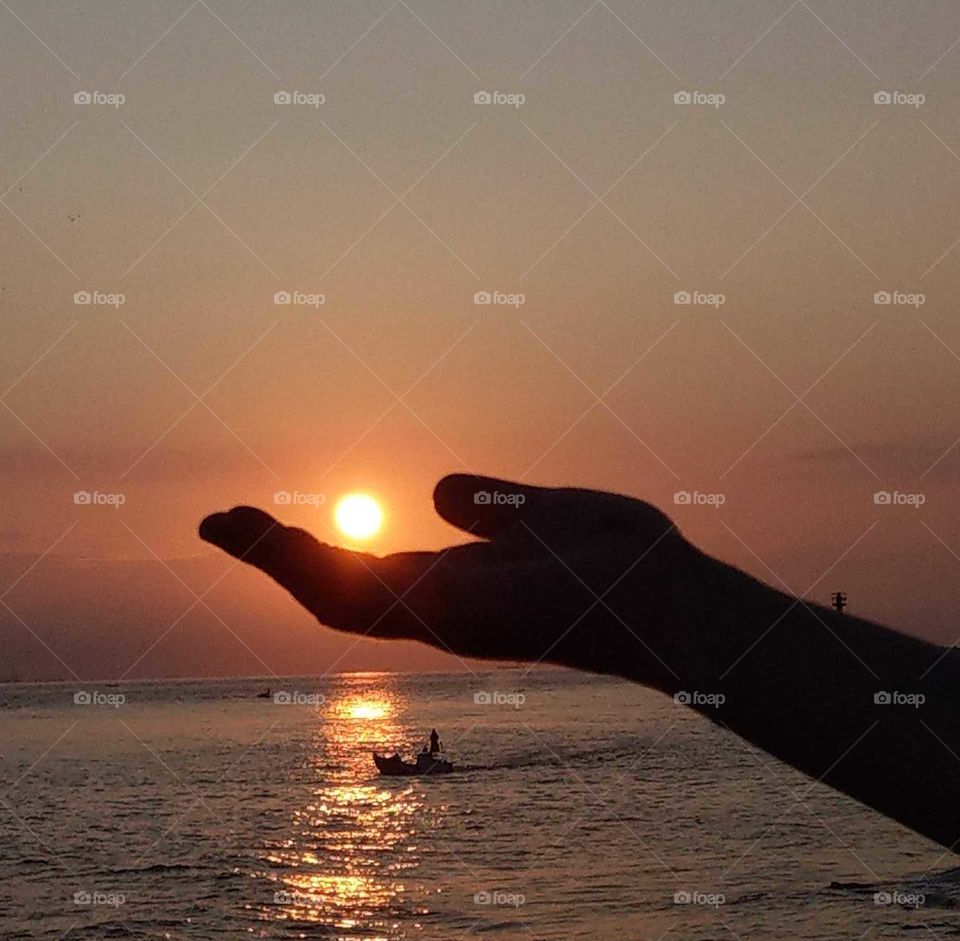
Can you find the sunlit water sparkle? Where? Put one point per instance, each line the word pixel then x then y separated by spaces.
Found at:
pixel 197 810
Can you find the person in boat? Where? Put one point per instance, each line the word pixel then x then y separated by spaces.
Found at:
pixel 434 742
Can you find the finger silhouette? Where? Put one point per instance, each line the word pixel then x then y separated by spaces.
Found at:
pixel 505 510
pixel 348 590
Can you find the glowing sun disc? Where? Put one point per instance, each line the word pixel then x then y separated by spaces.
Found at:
pixel 358 516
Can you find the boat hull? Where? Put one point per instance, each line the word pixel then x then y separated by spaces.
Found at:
pixel 395 766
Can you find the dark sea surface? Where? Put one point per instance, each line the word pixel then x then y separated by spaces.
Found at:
pixel 582 807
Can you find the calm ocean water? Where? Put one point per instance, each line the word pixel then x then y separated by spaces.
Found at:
pixel 583 808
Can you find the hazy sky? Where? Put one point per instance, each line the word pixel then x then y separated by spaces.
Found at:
pixel 784 186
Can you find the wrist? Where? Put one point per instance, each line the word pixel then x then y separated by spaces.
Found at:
pixel 724 627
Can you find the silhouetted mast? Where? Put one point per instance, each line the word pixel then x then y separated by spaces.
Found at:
pixel 839 599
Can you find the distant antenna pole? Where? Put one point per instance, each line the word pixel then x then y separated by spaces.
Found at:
pixel 839 599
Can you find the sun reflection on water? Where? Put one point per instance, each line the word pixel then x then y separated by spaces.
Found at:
pixel 371 709
pixel 352 840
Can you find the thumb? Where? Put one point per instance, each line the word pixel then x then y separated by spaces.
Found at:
pixel 506 510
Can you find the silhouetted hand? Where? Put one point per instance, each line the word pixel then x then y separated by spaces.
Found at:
pixel 577 577
pixel 605 583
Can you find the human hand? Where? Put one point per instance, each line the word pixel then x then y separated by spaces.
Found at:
pixel 583 578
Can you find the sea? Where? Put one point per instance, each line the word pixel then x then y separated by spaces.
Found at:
pixel 581 807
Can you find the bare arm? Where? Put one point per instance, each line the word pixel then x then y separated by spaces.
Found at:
pixel 869 711
pixel 605 583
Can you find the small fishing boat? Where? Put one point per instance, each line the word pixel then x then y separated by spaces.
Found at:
pixel 426 763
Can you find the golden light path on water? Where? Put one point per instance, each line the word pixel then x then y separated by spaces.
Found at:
pixel 353 840
pixel 364 709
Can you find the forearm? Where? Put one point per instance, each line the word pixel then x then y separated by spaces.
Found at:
pixel 807 685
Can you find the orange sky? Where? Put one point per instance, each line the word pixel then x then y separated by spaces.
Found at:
pixel 797 198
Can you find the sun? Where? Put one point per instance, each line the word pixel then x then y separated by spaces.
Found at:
pixel 358 516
